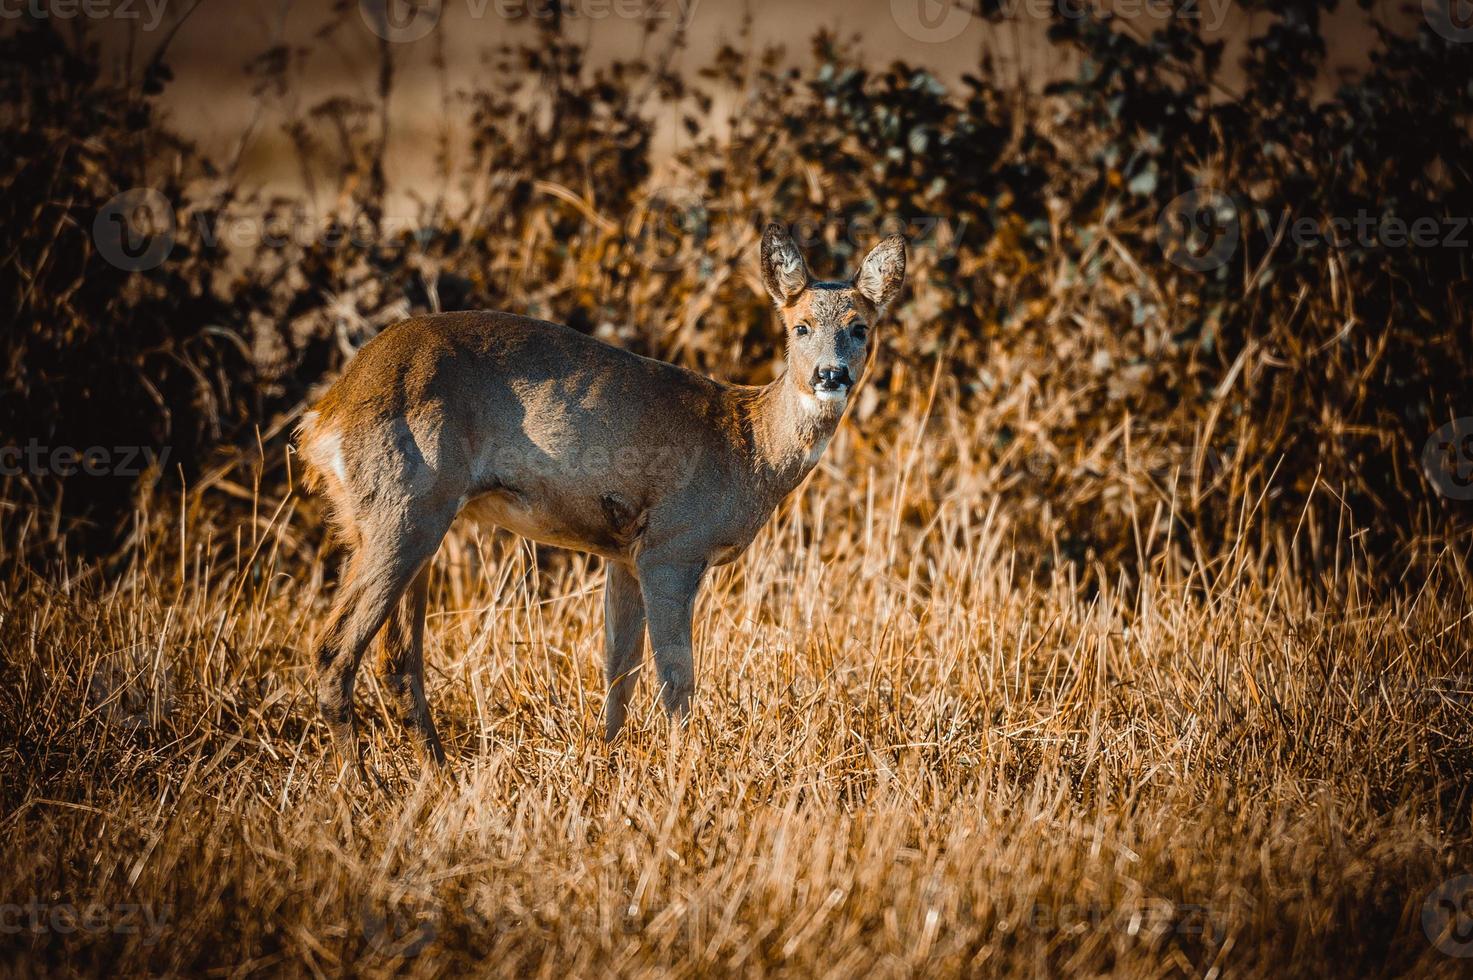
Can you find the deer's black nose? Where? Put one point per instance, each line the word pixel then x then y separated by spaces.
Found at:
pixel 833 377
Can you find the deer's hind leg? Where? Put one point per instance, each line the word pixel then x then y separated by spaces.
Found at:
pixel 404 664
pixel 394 548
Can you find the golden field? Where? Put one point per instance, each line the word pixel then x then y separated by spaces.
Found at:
pixel 904 760
pixel 1122 631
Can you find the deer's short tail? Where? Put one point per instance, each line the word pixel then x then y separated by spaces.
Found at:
pixel 320 449
pixel 325 471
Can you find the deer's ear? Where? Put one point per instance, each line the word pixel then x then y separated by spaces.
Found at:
pixel 784 272
pixel 883 271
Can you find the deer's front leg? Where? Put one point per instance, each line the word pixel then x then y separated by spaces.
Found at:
pixel 623 643
pixel 669 590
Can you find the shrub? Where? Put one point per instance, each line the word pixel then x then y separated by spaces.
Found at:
pixel 1123 395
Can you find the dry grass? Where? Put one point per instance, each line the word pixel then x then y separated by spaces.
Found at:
pixel 907 757
pixel 1069 661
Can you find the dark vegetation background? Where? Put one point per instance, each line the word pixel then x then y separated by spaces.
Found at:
pixel 1296 380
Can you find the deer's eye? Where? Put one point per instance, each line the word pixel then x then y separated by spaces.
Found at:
pixel 801 330
pixel 859 330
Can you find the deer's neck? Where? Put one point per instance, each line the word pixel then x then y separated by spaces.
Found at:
pixel 790 430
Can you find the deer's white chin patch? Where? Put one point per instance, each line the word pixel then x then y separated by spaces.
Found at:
pixel 823 403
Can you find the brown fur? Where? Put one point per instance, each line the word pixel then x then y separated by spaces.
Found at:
pixel 535 427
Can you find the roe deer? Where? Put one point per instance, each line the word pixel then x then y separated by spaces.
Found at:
pixel 563 439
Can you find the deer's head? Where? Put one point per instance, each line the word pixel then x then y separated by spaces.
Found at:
pixel 828 325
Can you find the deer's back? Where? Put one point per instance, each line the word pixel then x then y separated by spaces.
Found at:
pixel 538 427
